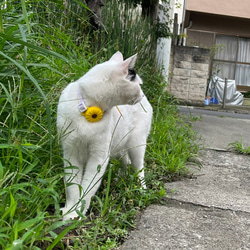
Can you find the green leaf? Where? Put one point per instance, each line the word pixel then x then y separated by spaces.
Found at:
pixel 1 171
pixel 13 205
pixel 29 223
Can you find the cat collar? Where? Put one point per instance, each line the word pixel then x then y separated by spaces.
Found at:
pixel 92 114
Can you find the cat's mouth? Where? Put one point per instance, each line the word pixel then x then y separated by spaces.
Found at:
pixel 134 101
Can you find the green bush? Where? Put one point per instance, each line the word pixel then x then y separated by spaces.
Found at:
pixel 247 94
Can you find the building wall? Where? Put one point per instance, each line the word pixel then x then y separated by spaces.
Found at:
pixel 221 7
pixel 189 73
pixel 218 24
pixel 226 17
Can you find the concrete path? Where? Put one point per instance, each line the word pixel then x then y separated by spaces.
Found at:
pixel 218 129
pixel 211 210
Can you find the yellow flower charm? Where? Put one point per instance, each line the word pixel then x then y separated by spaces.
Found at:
pixel 93 114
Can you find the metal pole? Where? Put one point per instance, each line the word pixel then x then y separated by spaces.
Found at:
pixel 225 94
pixel 183 21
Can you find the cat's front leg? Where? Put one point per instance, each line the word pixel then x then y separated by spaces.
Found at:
pixel 73 179
pixel 95 169
pixel 82 187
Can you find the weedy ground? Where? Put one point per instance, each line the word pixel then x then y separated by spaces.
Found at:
pixel 43 47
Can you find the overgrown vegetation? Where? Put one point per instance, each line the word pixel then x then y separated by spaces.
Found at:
pixel 43 47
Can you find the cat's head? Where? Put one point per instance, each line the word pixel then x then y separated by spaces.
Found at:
pixel 113 82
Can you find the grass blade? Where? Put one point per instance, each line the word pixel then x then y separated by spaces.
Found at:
pixel 32 46
pixel 61 235
pixel 25 15
pixel 1 20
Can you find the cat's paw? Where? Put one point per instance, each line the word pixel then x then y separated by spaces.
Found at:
pixel 143 185
pixel 69 215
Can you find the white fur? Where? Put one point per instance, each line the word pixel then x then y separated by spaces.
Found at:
pixel 88 145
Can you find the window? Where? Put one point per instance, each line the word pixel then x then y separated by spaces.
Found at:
pixel 232 59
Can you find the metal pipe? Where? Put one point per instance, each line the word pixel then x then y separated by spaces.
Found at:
pixel 183 19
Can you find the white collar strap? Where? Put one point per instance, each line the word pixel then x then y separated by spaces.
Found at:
pixel 81 106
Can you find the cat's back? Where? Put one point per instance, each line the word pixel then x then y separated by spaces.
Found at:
pixel 67 110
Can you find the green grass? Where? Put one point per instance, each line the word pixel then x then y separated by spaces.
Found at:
pixel 171 144
pixel 238 146
pixel 42 50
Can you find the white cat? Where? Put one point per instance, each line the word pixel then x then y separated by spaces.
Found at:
pixel 120 131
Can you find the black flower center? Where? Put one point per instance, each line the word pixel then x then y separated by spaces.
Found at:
pixel 94 116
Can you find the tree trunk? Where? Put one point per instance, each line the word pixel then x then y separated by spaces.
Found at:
pixel 96 16
pixel 150 8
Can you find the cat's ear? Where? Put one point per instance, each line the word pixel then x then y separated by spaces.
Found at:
pixel 117 57
pixel 130 62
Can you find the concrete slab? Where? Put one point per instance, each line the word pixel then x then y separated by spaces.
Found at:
pixel 184 226
pixel 223 182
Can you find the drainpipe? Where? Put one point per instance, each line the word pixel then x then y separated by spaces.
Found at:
pixel 183 19
pixel 185 32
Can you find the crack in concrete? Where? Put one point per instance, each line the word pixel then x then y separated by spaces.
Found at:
pixel 190 206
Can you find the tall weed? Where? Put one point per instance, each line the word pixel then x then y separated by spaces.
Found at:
pixel 30 173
